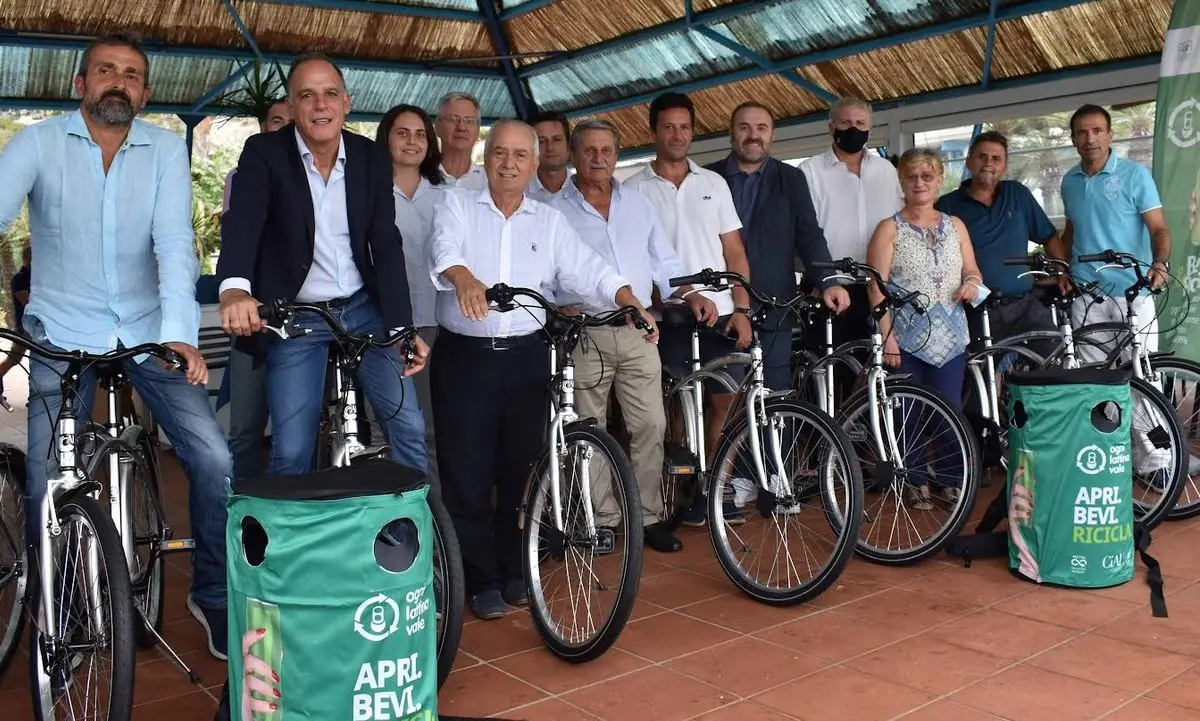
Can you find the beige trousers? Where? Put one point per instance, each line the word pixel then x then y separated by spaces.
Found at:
pixel 620 359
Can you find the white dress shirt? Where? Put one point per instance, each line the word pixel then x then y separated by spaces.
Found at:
pixel 333 273
pixel 475 179
pixel 694 216
pixel 538 192
pixel 631 240
pixel 414 220
pixel 849 206
pixel 535 248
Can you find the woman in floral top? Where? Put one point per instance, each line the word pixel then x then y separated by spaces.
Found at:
pixel 921 249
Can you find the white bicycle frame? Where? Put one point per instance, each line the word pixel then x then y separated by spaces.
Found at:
pixel 562 414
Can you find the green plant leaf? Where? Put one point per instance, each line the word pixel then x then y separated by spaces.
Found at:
pixel 262 88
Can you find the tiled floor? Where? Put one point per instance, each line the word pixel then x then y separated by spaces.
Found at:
pixel 934 642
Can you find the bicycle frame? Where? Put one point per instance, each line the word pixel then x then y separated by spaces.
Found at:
pixel 562 414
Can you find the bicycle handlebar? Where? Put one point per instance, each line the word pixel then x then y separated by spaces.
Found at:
pixel 281 319
pixel 709 278
pixel 1043 264
pixel 856 271
pixel 157 350
pixel 503 296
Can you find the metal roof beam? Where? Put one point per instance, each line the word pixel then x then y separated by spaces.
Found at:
pixel 217 90
pixel 61 42
pixel 1011 12
pixel 991 43
pixel 385 8
pixel 790 75
pixel 716 15
pixel 241 27
pixel 525 7
pixel 516 89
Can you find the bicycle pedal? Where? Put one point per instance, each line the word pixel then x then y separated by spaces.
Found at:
pixel 674 469
pixel 177 544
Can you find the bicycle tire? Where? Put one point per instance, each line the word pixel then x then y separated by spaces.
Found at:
pixel 121 614
pixel 1180 512
pixel 450 632
pixel 844 548
pixel 12 475
pixel 973 477
pixel 153 599
pixel 634 543
pixel 1164 409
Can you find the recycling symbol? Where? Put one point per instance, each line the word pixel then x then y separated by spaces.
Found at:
pixel 376 626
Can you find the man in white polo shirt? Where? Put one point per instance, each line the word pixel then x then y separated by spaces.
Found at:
pixel 457 128
pixel 698 216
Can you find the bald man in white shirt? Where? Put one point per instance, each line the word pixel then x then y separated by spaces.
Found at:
pixel 490 370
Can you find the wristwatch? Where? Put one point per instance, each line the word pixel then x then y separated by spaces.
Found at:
pixel 743 311
pixel 1166 263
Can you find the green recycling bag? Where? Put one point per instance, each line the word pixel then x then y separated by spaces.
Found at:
pixel 331 608
pixel 1070 513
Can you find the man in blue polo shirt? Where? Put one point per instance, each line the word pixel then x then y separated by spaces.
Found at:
pixel 1002 218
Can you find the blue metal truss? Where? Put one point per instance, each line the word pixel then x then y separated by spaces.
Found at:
pixel 991 43
pixel 366 6
pixel 234 54
pixel 790 75
pixel 1011 12
pixel 516 89
pixel 241 27
pixel 215 91
pixel 525 7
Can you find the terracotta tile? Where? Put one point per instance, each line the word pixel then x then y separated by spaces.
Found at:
pixel 15 705
pixel 681 588
pixel 1023 692
pixel 1113 663
pixel 832 636
pixel 985 583
pixel 196 706
pixel 826 695
pixel 163 679
pixel 746 666
pixel 1071 607
pixel 907 610
pixel 1181 690
pixel 17 674
pixel 483 691
pixel 652 567
pixel 948 711
pixel 652 693
pixel 668 635
pixel 544 670
pixel 1136 591
pixel 1144 709
pixel 846 590
pixel 1001 634
pixel 739 612
pixel 644 609
pixel 745 711
pixel 552 709
pixel 928 665
pixel 463 660
pixel 889 575
pixel 185 636
pixel 501 637
pixel 1179 633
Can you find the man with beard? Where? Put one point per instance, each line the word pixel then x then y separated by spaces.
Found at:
pixel 779 225
pixel 110 214
pixel 457 128
pixel 552 130
pixel 1002 218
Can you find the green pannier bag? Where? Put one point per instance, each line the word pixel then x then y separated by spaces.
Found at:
pixel 331 596
pixel 1070 477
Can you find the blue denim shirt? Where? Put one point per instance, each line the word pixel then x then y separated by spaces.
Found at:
pixel 114 261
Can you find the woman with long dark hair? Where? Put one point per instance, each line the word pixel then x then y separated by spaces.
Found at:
pixel 417 183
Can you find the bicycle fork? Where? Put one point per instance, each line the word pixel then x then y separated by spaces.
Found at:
pixel 883 425
pixel 562 414
pixel 756 418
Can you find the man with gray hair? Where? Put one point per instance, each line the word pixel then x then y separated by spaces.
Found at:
pixel 853 189
pixel 457 128
pixel 621 225
pixel 488 377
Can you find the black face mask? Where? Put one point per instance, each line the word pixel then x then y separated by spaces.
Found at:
pixel 850 140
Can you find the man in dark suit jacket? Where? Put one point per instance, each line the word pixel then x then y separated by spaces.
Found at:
pixel 778 225
pixel 312 219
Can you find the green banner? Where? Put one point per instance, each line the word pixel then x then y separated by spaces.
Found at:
pixel 1177 175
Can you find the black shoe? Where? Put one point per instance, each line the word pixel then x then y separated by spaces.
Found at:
pixel 488 605
pixel 515 594
pixel 215 622
pixel 660 539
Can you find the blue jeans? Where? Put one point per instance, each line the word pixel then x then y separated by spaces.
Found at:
pixel 296 390
pixel 947 461
pixel 184 413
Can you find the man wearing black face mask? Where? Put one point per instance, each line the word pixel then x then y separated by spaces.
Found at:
pixel 853 188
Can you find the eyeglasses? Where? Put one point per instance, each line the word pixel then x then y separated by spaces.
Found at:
pixel 914 177
pixel 461 120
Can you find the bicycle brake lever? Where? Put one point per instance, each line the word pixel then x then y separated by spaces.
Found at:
pixel 1034 272
pixel 1106 266
pixel 842 276
pixel 289 329
pixel 5 404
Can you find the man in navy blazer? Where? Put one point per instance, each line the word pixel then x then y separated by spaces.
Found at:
pixel 312 219
pixel 779 224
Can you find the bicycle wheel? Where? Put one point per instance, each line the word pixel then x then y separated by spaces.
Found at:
pixel 149 532
pixel 1179 381
pixel 938 448
pixel 90 569
pixel 607 559
pixel 828 474
pixel 1160 458
pixel 13 573
pixel 448 587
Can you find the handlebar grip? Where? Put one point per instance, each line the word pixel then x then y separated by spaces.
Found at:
pixel 269 315
pixel 695 279
pixel 825 265
pixel 1026 260
pixel 1095 257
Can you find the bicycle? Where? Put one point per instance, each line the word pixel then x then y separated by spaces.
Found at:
pixel 12 550
pixel 342 447
pixel 548 536
pixel 115 578
pixel 752 441
pixel 867 419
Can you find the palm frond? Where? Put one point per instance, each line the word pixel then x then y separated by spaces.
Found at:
pixel 261 89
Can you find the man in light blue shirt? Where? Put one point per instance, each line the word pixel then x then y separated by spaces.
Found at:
pixel 110 216
pixel 621 225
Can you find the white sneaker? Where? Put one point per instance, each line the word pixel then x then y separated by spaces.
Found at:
pixel 744 491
